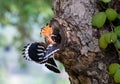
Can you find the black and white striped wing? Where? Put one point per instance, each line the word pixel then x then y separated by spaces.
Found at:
pixel 40 54
pixel 51 49
pixel 35 52
pixel 51 65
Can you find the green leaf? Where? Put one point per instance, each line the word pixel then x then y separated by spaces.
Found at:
pixel 110 37
pixel 117 76
pixel 118 16
pixel 117 44
pixel 102 42
pixel 106 1
pixel 99 19
pixel 117 30
pixel 111 14
pixel 113 68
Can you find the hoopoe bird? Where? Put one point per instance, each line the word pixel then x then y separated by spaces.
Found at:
pixel 43 53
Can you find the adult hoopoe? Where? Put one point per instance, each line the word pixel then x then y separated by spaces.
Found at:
pixel 43 53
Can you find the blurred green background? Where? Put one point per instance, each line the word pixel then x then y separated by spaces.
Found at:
pixel 20 23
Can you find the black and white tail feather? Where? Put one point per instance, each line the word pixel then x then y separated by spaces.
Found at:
pixel 40 54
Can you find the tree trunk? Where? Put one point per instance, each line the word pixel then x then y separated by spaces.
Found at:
pixel 80 54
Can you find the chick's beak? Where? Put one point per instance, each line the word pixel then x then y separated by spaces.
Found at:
pixel 49 39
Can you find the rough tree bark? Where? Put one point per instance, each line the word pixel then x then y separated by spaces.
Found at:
pixel 80 54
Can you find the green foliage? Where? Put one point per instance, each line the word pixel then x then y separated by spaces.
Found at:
pixel 118 16
pixel 106 1
pixel 110 37
pixel 117 44
pixel 117 30
pixel 102 43
pixel 24 16
pixel 113 68
pixel 117 76
pixel 107 38
pixel 111 14
pixel 99 19
pixel 24 10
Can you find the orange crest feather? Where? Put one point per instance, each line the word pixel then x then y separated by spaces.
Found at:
pixel 46 31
